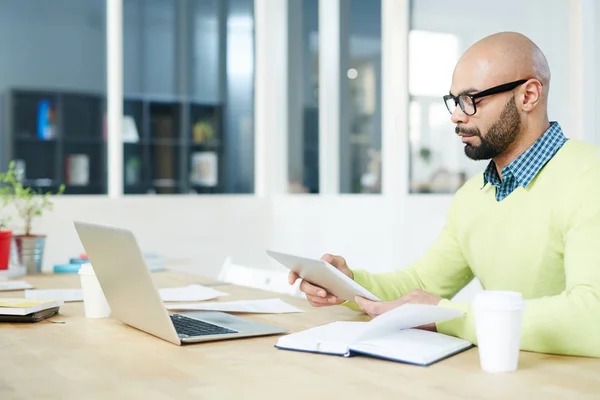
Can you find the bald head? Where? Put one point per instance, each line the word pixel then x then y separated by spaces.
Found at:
pixel 508 56
pixel 504 57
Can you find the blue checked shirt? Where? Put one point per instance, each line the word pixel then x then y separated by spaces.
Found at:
pixel 524 168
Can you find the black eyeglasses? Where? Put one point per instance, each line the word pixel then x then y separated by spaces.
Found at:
pixel 467 101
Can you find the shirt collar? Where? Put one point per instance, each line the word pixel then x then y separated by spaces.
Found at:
pixel 525 167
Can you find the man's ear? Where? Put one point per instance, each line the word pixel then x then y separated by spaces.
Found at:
pixel 531 95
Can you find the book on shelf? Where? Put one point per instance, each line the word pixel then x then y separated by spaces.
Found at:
pixel 129 129
pixel 392 336
pixel 204 168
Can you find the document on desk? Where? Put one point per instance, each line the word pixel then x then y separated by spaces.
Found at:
pixel 185 293
pixel 66 295
pixel 392 336
pixel 192 292
pixel 265 306
pixel 14 285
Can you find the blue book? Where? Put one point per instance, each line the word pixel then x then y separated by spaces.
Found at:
pixel 391 336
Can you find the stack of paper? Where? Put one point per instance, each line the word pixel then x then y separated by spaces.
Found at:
pixel 14 285
pixel 65 295
pixel 13 271
pixel 193 292
pixel 19 306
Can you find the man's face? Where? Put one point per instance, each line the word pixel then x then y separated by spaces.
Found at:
pixel 496 123
pixel 498 138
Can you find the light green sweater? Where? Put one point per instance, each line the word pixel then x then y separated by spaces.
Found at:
pixel 542 241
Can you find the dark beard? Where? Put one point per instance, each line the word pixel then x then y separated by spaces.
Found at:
pixel 499 137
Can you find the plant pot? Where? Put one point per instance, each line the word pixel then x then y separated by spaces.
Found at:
pixel 30 252
pixel 5 242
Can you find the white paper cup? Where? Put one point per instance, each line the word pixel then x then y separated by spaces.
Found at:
pixel 498 319
pixel 94 302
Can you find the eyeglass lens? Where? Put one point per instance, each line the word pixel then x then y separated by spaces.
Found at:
pixel 465 102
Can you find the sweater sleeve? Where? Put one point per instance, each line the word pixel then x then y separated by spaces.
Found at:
pixel 567 323
pixel 442 271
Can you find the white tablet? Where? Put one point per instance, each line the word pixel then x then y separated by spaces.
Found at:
pixel 323 274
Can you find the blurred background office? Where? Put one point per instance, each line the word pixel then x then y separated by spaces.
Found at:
pixel 306 126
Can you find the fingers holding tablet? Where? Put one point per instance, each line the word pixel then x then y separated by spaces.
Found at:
pixel 328 281
pixel 316 296
pixel 339 262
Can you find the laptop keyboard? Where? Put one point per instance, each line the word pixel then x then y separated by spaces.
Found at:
pixel 193 327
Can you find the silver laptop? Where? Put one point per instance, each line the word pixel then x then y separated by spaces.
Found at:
pixel 135 300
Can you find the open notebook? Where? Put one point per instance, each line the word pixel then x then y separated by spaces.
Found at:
pixel 389 336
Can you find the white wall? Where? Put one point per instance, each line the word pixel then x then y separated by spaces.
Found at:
pixel 197 233
pixel 193 233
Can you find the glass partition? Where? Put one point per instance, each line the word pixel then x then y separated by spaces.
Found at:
pixel 188 96
pixel 53 65
pixel 303 135
pixel 360 141
pixel 188 84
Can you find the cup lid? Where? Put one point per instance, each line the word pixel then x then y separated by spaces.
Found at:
pixel 86 268
pixel 499 300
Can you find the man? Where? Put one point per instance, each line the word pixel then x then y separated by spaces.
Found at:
pixel 529 223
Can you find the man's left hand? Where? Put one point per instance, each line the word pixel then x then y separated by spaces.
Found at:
pixel 375 308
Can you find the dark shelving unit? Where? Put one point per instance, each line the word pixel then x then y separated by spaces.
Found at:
pixel 170 146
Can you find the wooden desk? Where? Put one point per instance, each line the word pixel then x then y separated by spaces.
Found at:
pixel 104 359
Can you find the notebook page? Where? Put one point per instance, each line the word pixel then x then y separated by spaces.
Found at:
pixel 407 316
pixel 412 345
pixel 331 338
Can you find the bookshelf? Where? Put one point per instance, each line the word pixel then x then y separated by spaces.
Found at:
pixel 171 146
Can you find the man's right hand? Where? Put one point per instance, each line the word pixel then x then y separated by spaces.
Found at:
pixel 317 296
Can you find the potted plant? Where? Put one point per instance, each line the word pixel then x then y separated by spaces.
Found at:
pixel 28 204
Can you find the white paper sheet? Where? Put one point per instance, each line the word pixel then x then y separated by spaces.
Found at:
pixel 408 316
pixel 267 306
pixel 193 292
pixel 185 293
pixel 14 285
pixel 65 295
